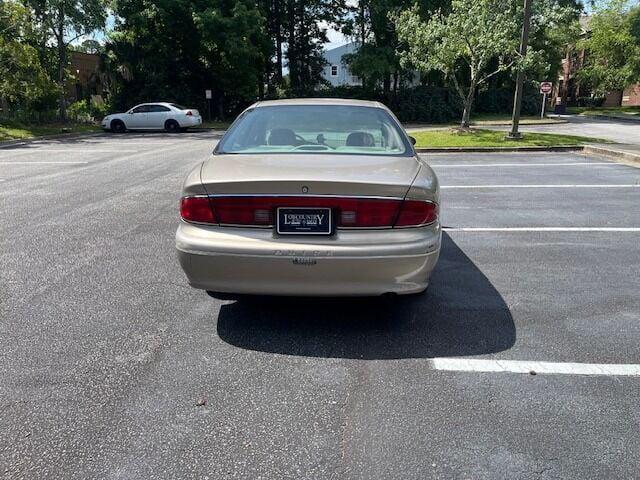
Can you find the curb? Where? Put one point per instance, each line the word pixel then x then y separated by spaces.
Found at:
pixel 628 157
pixel 613 154
pixel 525 123
pixel 442 126
pixel 559 148
pixel 613 118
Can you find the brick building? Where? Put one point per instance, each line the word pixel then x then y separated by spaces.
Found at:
pixel 631 95
pixel 568 91
pixel 86 76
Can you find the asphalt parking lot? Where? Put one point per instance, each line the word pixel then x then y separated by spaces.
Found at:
pixel 521 361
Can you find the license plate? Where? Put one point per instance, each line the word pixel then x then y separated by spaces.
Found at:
pixel 305 221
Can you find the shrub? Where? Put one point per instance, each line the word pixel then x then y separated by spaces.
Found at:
pixel 99 110
pixel 500 101
pixel 79 111
pixel 591 102
pixel 439 104
pixel 427 104
pixel 86 111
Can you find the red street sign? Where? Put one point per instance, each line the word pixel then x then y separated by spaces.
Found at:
pixel 546 87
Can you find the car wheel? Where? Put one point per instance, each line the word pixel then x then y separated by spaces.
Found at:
pixel 171 126
pixel 118 126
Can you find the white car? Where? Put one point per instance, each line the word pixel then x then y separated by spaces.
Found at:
pixel 153 116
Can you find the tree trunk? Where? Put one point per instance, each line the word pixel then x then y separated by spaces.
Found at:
pixel 303 66
pixel 278 28
pixel 468 103
pixel 464 124
pixel 220 106
pixel 62 63
pixel 386 85
pixel 4 105
pixel 395 82
pixel 279 57
pixel 363 36
pixel 267 72
pixel 291 48
pixel 466 114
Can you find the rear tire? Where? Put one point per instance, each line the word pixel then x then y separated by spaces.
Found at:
pixel 172 126
pixel 118 126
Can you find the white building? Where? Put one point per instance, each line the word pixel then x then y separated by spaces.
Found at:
pixel 335 71
pixel 338 74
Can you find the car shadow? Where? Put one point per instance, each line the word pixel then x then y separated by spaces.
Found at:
pixel 461 314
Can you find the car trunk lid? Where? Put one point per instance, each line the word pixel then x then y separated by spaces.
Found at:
pixel 311 174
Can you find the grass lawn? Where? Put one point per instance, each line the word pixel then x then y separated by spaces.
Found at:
pixel 485 120
pixel 500 118
pixel 17 131
pixel 491 138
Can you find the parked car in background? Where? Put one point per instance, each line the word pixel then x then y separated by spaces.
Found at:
pixel 311 197
pixel 153 116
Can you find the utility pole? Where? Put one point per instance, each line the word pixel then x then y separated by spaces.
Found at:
pixel 514 134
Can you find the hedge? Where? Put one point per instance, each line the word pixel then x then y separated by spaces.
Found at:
pixel 440 104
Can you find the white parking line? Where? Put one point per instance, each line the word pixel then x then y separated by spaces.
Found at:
pixel 523 164
pixel 626 185
pixel 8 155
pixel 40 163
pixel 70 150
pixel 542 229
pixel 523 366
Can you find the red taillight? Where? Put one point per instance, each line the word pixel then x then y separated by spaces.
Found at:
pixel 417 212
pixel 348 212
pixel 363 213
pixel 196 209
pixel 189 113
pixel 244 210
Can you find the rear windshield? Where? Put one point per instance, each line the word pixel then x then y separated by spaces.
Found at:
pixel 179 107
pixel 315 128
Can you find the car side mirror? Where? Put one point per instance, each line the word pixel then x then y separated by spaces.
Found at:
pixel 413 140
pixel 130 112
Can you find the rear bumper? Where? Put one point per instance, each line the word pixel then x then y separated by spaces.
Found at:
pixel 351 263
pixel 191 121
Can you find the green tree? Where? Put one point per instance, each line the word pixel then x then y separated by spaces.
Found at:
pixel 24 82
pixel 476 40
pixel 63 22
pixel 175 49
pixel 613 47
pixel 89 46
pixel 554 25
pixel 377 60
pixel 234 48
pixel 303 23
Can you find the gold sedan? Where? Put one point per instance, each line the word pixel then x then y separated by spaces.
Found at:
pixel 311 197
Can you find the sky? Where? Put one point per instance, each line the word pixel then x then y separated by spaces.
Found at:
pixel 335 38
